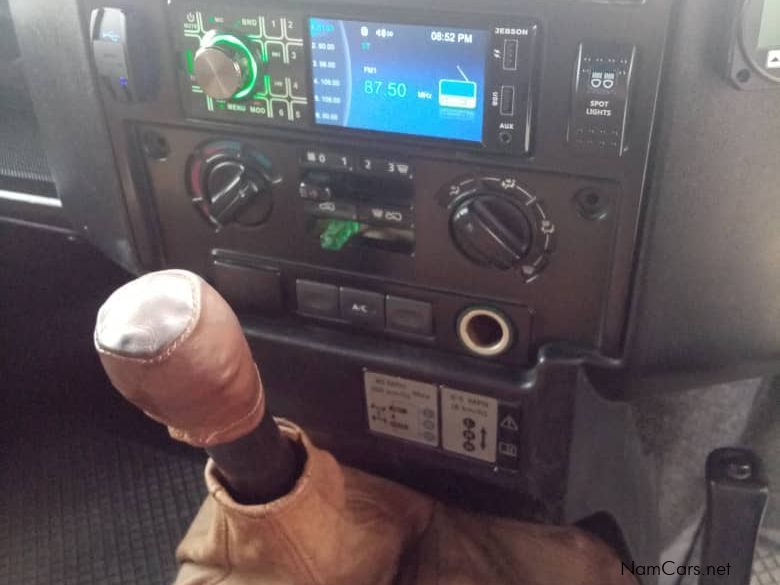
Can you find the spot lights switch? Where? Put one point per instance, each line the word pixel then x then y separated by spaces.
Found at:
pixel 109 36
pixel 600 102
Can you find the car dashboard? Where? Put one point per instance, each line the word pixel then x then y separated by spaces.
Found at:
pixel 459 236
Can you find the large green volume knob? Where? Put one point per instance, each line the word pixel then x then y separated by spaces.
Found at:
pixel 225 66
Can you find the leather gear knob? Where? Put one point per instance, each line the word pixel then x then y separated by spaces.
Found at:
pixel 173 347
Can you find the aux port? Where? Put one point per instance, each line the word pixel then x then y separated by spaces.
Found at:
pixel 485 331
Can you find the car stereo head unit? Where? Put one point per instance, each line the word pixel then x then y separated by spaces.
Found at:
pixel 439 81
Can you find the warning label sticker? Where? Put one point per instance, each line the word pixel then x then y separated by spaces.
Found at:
pixel 469 424
pixel 509 423
pixel 402 408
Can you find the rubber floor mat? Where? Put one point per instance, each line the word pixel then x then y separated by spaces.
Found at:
pixel 84 506
pixel 766 565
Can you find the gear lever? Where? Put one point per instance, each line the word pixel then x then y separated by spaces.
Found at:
pixel 173 347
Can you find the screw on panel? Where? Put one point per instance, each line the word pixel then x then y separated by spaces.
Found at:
pixel 591 204
pixel 156 146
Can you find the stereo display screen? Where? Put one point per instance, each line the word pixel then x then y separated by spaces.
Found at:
pixel 406 79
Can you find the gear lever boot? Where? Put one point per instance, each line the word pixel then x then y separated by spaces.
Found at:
pixel 171 345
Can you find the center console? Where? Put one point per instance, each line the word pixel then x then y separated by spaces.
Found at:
pixel 420 210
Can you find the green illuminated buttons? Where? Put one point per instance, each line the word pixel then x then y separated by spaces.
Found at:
pixel 225 67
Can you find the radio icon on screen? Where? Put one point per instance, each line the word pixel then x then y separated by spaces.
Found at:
pixel 457 93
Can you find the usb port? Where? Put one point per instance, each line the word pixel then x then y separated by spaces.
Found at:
pixel 510 54
pixel 507 100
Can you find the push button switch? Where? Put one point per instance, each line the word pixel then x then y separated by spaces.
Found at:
pixel 383 166
pixel 410 317
pixel 386 215
pixel 247 287
pixel 315 192
pixel 327 159
pixel 363 308
pixel 331 209
pixel 317 300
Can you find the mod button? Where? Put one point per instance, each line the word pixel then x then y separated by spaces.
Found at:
pixel 363 308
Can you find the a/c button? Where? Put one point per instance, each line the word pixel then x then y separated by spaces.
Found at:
pixel 363 308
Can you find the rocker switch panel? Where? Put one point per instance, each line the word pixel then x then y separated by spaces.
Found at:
pixel 600 102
